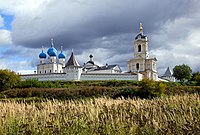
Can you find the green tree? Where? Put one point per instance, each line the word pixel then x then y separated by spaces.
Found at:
pixel 197 79
pixel 194 75
pixel 8 79
pixel 182 72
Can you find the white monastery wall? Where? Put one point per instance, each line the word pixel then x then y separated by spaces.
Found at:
pixel 84 76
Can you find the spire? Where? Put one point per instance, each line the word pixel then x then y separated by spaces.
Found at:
pixel 141 29
pixel 42 48
pixel 52 43
pixel 72 61
pixel 61 48
pixel 168 73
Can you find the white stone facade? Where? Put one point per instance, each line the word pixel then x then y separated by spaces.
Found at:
pixel 47 68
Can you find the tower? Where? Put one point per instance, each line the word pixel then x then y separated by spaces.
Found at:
pixel 72 69
pixel 141 45
pixel 141 62
pixel 168 76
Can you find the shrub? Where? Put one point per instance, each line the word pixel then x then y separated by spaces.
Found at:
pixel 197 79
pixel 8 79
pixel 150 88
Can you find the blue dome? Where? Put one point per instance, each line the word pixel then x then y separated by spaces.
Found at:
pixel 52 51
pixel 61 55
pixel 42 55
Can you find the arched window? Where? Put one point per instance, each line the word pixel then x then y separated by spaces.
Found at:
pixel 137 66
pixel 50 71
pixel 139 48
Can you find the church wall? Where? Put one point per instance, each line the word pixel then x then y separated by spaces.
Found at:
pixel 83 76
pixel 109 71
pixel 87 76
pixel 170 79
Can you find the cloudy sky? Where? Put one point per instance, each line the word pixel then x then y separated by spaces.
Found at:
pixel 104 28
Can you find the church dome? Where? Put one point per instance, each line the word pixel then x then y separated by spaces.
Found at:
pixel 140 36
pixel 42 55
pixel 52 51
pixel 61 55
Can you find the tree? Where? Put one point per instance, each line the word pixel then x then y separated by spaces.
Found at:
pixel 182 72
pixel 8 79
pixel 194 75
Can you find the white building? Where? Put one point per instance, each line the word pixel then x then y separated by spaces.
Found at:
pixel 53 67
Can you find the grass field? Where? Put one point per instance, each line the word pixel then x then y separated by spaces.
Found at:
pixel 166 115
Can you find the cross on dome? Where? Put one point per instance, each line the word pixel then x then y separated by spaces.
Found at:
pixel 52 42
pixel 141 28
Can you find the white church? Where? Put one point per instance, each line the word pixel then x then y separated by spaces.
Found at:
pixel 53 66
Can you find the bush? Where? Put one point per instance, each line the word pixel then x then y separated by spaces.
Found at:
pixel 8 79
pixel 197 79
pixel 151 89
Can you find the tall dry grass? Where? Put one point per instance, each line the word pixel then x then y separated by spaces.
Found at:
pixel 170 115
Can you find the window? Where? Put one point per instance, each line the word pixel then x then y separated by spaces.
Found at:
pixel 137 66
pixel 139 48
pixel 148 66
pixel 50 71
pixel 45 71
pixel 40 72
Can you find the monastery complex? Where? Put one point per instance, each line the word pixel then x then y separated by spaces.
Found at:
pixel 53 67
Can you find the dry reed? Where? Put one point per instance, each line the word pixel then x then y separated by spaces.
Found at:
pixel 170 115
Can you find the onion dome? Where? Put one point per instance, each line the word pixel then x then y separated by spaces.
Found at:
pixel 52 51
pixel 42 55
pixel 61 55
pixel 91 60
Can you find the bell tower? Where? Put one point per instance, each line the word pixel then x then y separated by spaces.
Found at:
pixel 141 45
pixel 141 62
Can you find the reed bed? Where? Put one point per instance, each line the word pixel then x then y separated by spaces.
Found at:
pixel 170 115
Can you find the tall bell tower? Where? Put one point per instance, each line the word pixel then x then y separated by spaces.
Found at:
pixel 141 62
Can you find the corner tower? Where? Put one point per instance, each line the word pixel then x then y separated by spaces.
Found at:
pixel 141 62
pixel 72 69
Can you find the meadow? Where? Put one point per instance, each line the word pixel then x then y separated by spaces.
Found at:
pixel 175 114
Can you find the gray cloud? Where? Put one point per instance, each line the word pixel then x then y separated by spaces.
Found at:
pixel 73 23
